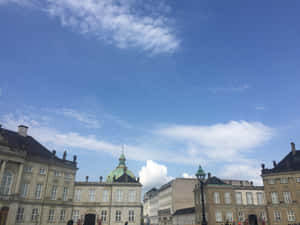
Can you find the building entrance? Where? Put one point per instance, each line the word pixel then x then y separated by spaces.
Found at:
pixel 3 215
pixel 252 220
pixel 89 219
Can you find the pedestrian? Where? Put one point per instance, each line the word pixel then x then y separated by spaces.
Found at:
pixel 126 223
pixel 227 222
pixel 70 222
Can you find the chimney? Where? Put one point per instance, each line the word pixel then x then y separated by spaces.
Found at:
pixel 274 164
pixel 293 148
pixel 22 130
pixel 209 175
pixel 65 155
pixel 74 158
pixel 101 179
pixel 53 152
pixel 262 166
pixel 251 183
pixel 87 179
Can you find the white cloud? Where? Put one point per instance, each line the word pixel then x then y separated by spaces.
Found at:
pixel 154 175
pixel 88 119
pixel 186 175
pixel 220 141
pixel 260 108
pixel 247 170
pixel 120 22
pixel 240 88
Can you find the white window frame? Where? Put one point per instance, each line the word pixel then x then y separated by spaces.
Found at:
pixel 298 179
pixel 51 215
pixel 38 191
pixel 227 198
pixel 291 216
pixel 57 173
pixel 218 215
pixel 239 198
pixel 249 197
pixel 7 180
pixel 92 195
pixel 132 196
pixel 62 215
pixel 35 214
pixel 284 180
pixel 217 198
pixel 274 197
pixel 263 216
pixel 131 215
pixel 24 189
pixel 287 197
pixel 119 195
pixel 53 192
pixel 28 169
pixel 271 181
pixel 78 195
pixel 103 215
pixel 260 198
pixel 20 214
pixel 42 171
pixel 65 193
pixel 75 215
pixel 105 196
pixel 277 216
pixel 229 216
pixel 118 215
pixel 241 216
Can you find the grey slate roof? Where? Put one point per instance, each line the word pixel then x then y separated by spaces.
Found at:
pixel 214 180
pixel 190 210
pixel 28 144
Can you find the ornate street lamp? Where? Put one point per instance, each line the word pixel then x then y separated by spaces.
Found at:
pixel 201 176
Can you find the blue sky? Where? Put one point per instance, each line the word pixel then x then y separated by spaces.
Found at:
pixel 178 83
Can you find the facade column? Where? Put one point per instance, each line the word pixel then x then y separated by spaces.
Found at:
pixel 18 184
pixel 2 169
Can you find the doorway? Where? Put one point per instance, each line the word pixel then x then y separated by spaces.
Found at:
pixel 252 219
pixel 3 215
pixel 89 219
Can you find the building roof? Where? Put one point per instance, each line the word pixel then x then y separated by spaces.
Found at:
pixel 29 145
pixel 121 173
pixel 215 180
pixel 291 162
pixel 184 211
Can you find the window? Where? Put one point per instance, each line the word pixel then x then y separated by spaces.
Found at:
pixel 271 181
pixel 42 171
pixel 24 189
pixel 77 195
pixel 75 215
pixel 229 216
pixel 241 216
pixel 65 193
pixel 227 198
pixel 51 215
pixel 62 215
pixel 53 192
pixel 119 196
pixel 131 215
pixel 262 216
pixel 57 173
pixel 284 180
pixel 238 198
pixel 118 215
pixel 274 197
pixel 38 191
pixel 103 215
pixel 249 196
pixel 6 183
pixel 260 198
pixel 20 215
pixel 216 197
pixel 277 216
pixel 291 216
pixel 298 179
pixel 287 197
pixel 132 195
pixel 218 216
pixel 35 214
pixel 92 195
pixel 105 196
pixel 68 175
pixel 28 169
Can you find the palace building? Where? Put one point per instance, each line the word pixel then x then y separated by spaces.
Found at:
pixel 38 187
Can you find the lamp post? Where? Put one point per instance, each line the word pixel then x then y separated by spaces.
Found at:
pixel 201 176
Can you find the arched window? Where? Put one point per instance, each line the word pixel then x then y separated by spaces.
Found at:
pixel 6 183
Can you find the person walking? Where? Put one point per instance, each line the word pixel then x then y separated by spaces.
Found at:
pixel 70 222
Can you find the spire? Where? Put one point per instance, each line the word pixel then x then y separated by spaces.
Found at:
pixel 122 158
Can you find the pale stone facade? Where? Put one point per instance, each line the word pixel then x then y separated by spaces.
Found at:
pixel 37 187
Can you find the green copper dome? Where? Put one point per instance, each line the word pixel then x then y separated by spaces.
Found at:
pixel 120 170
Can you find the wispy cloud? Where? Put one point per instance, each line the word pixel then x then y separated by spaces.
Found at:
pixel 260 108
pixel 240 88
pixel 124 23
